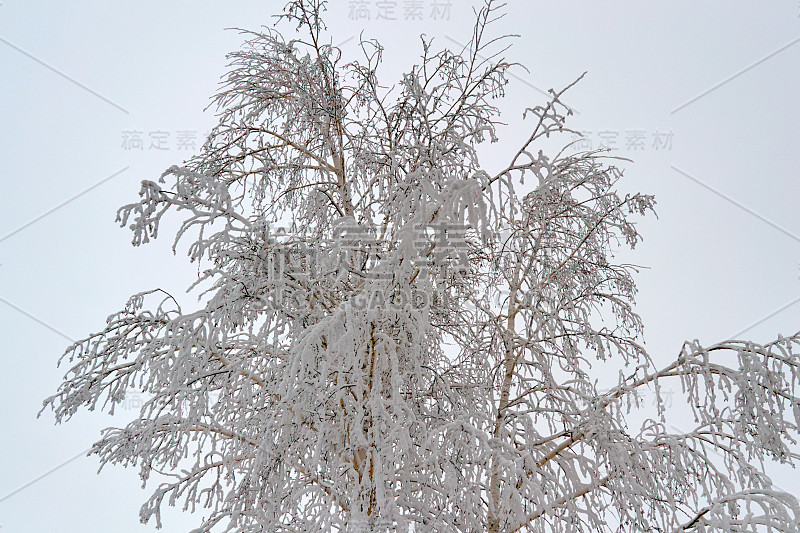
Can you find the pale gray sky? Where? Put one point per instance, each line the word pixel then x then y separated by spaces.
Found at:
pixel 701 95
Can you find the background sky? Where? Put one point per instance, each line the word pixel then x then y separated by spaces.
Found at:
pixel 96 96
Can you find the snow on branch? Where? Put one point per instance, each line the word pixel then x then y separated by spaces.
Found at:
pixel 393 336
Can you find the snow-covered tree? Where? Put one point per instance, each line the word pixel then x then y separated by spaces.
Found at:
pixel 391 336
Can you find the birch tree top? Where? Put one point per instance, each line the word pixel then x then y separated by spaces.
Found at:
pixel 392 336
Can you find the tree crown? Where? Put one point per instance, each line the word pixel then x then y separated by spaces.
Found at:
pixel 394 336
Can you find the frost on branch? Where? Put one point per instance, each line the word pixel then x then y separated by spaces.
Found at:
pixel 391 336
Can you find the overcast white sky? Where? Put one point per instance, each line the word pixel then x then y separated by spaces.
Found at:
pixel 701 95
